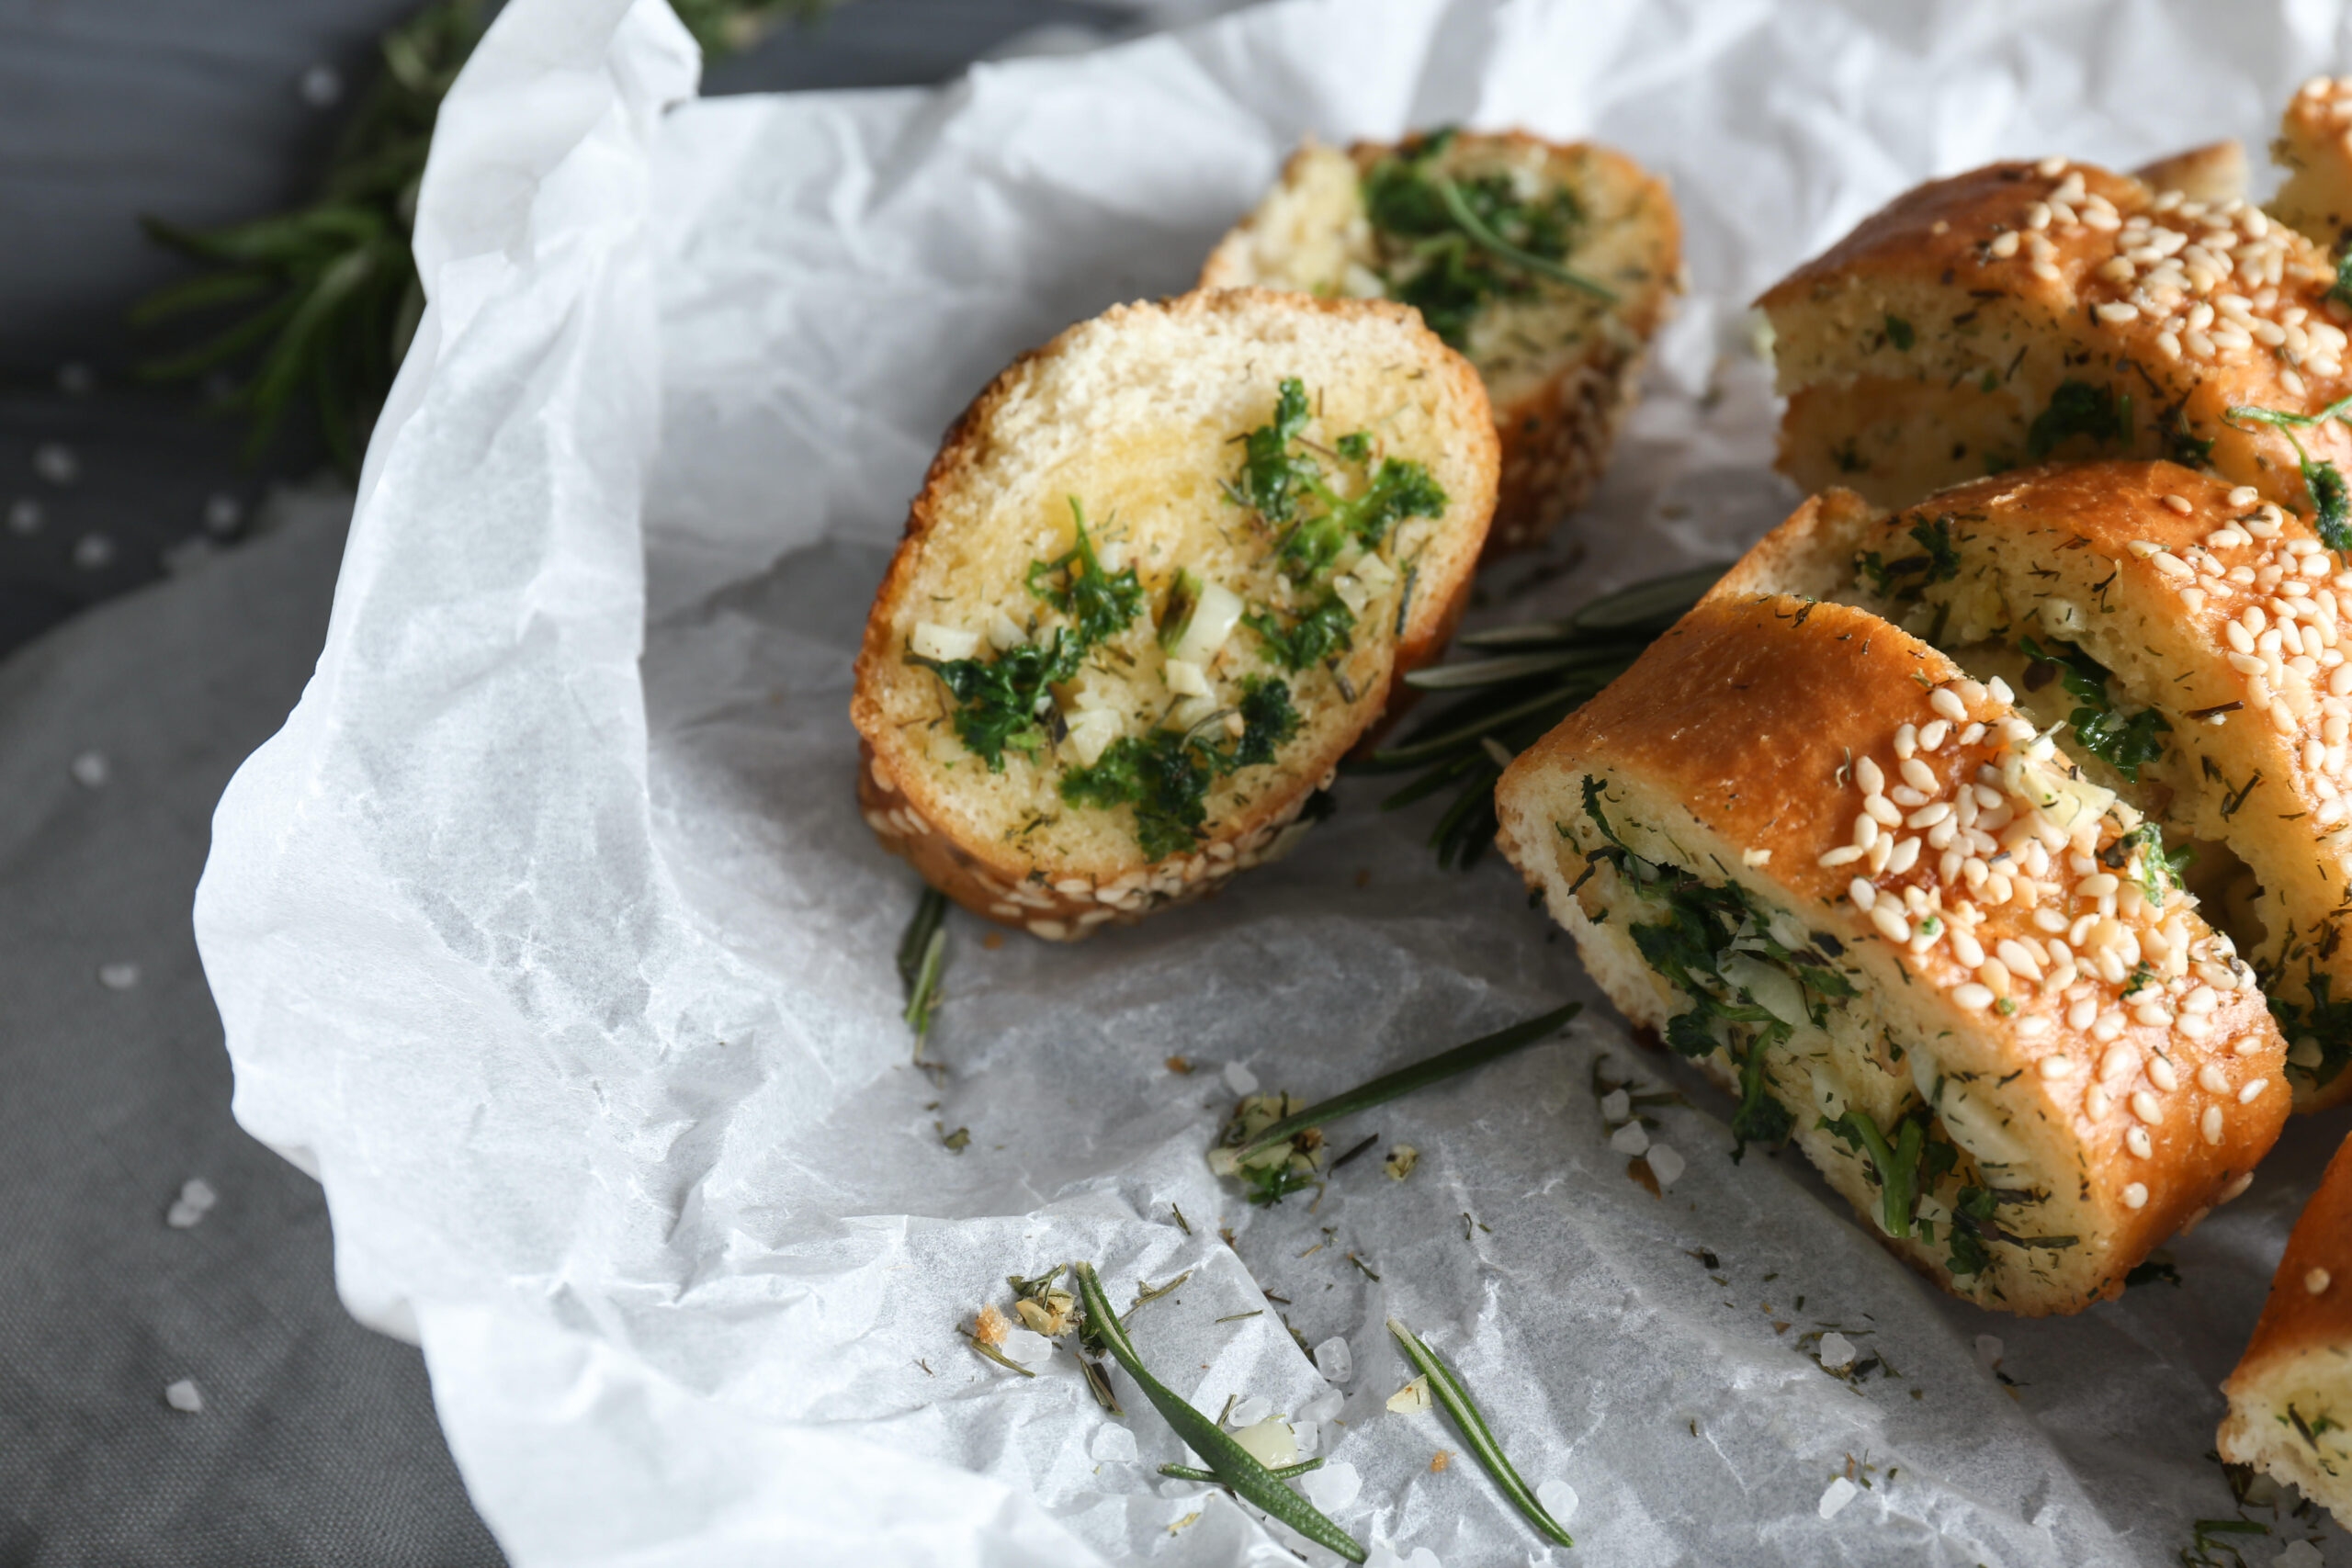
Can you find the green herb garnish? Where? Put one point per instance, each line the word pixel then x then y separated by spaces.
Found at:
pixel 1899 334
pixel 2124 744
pixel 1310 638
pixel 1166 775
pixel 1462 1411
pixel 1227 1460
pixel 2323 481
pixel 1100 604
pixel 2078 407
pixel 923 952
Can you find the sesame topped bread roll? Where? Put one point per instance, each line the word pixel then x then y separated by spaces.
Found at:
pixel 2314 146
pixel 2053 309
pixel 2214 174
pixel 1159 579
pixel 2025 1069
pixel 2178 639
pixel 1561 357
pixel 2291 1397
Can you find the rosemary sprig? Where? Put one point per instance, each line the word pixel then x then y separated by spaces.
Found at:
pixel 923 952
pixel 1228 1462
pixel 1535 677
pixel 325 297
pixel 1466 218
pixel 1280 1473
pixel 1464 1411
pixel 1404 1080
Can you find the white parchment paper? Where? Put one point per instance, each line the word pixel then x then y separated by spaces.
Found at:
pixel 548 935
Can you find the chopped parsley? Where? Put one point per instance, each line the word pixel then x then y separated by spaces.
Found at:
pixel 999 701
pixel 1899 334
pixel 2317 1017
pixel 1165 776
pixel 1308 639
pixel 2078 407
pixel 1449 245
pixel 2322 480
pixel 2157 872
pixel 2124 744
pixel 1285 485
pixel 1938 560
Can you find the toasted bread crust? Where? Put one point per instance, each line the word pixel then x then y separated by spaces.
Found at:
pixel 1557 434
pixel 2302 1345
pixel 1989 283
pixel 1733 739
pixel 911 805
pixel 2313 147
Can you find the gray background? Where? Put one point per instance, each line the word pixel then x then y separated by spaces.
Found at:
pixel 317 1442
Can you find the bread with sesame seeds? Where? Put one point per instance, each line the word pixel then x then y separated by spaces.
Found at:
pixel 2026 311
pixel 2142 614
pixel 1561 364
pixel 2314 146
pixel 2291 1396
pixel 1741 832
pixel 1161 576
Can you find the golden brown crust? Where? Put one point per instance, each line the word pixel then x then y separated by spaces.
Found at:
pixel 1753 714
pixel 913 808
pixel 2214 174
pixel 1555 436
pixel 1959 253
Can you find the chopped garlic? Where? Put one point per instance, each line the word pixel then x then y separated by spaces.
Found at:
pixel 1192 710
pixel 1352 593
pixel 1215 615
pixel 1092 732
pixel 1111 553
pixel 1270 1442
pixel 1004 633
pixel 1374 573
pixel 933 640
pixel 1185 679
pixel 1412 1398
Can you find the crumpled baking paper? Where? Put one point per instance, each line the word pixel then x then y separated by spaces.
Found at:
pixel 548 935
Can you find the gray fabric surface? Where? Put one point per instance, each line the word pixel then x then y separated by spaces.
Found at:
pixel 317 1441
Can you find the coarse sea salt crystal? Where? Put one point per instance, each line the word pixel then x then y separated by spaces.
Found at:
pixel 1112 1444
pixel 1665 1165
pixel 117 977
pixel 195 1201
pixel 1616 1105
pixel 1325 1406
pixel 1239 1078
pixel 1630 1139
pixel 1988 1350
pixel 1333 1486
pixel 1836 1351
pixel 90 769
pixel 1559 1499
pixel 1385 1555
pixel 1025 1346
pixel 1840 1493
pixel 1335 1361
pixel 183 1396
pixel 1248 1412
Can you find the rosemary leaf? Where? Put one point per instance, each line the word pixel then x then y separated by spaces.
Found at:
pixel 1464 1411
pixel 923 952
pixel 1228 1462
pixel 1146 1295
pixel 1473 225
pixel 1421 1074
pixel 1283 1472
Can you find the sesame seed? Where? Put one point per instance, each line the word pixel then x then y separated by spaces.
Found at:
pixel 1920 776
pixel 2135 1196
pixel 2056 1066
pixel 1844 855
pixel 2247 1047
pixel 1865 831
pixel 1864 895
pixel 2317 1281
pixel 1946 703
pixel 1756 857
pixel 2049 168
pixel 2139 1142
pixel 1974 997
pixel 2236 1189
pixel 2180 503
pixel 1906 742
pixel 2096 1103
pixel 1931 735
pixel 2161 1074
pixel 2253 1091
pixel 1891 923
pixel 2145 1107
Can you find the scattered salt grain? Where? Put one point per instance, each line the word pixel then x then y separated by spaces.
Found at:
pixel 24 515
pixel 183 1396
pixel 1836 1351
pixel 1665 1165
pixel 1248 1412
pixel 1325 1406
pixel 94 552
pixel 1307 1436
pixel 1840 1493
pixel 1630 1139
pixel 1988 1350
pixel 222 513
pixel 117 977
pixel 1025 1346
pixel 55 461
pixel 1616 1105
pixel 321 86
pixel 1333 1486
pixel 90 769
pixel 1559 1499
pixel 1335 1361
pixel 195 1201
pixel 1239 1078
pixel 1112 1444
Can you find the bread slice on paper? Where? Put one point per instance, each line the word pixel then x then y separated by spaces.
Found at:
pixel 1750 836
pixel 1161 577
pixel 2029 312
pixel 2291 1397
pixel 2178 639
pixel 1560 361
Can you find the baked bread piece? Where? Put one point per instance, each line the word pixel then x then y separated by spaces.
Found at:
pixel 1800 841
pixel 2214 174
pixel 2033 310
pixel 2314 146
pixel 2142 613
pixel 1561 363
pixel 1159 579
pixel 2291 1397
